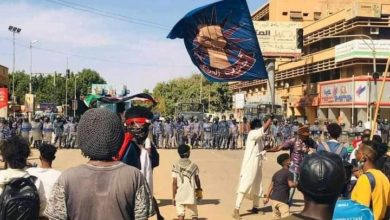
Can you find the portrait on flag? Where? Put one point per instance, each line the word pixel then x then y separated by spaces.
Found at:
pixel 221 41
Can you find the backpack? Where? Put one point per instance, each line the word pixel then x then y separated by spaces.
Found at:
pixel 348 209
pixel 327 148
pixel 371 179
pixel 20 199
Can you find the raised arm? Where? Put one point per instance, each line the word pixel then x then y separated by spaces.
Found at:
pixel 258 133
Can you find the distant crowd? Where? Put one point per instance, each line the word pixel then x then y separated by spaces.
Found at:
pixel 57 130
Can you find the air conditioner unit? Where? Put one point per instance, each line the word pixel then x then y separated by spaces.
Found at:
pixel 374 30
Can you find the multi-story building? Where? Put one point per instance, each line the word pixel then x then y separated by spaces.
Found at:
pixel 3 76
pixel 332 77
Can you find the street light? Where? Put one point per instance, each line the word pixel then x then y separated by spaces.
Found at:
pixel 75 96
pixel 375 74
pixel 14 30
pixel 31 46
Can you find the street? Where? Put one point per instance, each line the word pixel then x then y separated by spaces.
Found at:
pixel 219 172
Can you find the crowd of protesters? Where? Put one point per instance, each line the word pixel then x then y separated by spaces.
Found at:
pixel 122 153
pixel 326 171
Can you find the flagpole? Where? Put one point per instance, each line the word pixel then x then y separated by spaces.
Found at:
pixel 270 67
pixel 353 99
pixel 272 91
pixel 200 92
pixel 384 76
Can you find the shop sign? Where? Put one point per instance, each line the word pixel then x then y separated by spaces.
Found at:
pixel 29 101
pixel 277 38
pixel 336 93
pixel 361 48
pixel 349 91
pixel 239 100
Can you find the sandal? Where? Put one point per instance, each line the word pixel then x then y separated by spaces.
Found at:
pixel 236 216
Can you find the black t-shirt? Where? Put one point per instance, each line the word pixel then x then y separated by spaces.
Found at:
pixel 281 189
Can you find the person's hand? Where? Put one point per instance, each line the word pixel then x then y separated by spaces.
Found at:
pixel 173 202
pixel 265 200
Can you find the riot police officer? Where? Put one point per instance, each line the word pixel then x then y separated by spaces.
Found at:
pixel 215 133
pixel 385 131
pixel 72 126
pixel 207 138
pixel 195 132
pixel 315 131
pixel 169 138
pixel 223 130
pixel 179 129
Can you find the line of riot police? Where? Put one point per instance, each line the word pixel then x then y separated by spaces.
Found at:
pixel 57 130
pixel 221 133
pixel 207 133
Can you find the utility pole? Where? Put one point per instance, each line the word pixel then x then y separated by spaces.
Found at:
pixel 14 30
pixel 209 98
pixel 66 87
pixel 200 92
pixel 74 106
pixel 31 65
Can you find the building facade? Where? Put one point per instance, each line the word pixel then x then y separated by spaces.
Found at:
pixel 3 76
pixel 3 91
pixel 332 78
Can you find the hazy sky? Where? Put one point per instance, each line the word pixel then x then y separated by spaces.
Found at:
pixel 123 52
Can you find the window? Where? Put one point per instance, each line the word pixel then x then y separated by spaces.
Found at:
pixel 295 15
pixel 305 14
pixel 317 15
pixel 285 13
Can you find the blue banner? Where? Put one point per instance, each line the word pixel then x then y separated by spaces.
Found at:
pixel 221 41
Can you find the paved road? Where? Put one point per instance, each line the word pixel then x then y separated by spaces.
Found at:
pixel 219 172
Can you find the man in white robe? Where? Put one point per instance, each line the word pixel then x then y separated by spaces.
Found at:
pixel 250 182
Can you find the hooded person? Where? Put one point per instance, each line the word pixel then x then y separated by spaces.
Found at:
pixel 138 120
pixel 102 188
pixel 138 150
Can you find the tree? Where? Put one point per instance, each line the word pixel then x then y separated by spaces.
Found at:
pixel 51 87
pixel 188 89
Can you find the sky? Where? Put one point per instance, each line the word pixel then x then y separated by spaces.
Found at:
pixel 135 52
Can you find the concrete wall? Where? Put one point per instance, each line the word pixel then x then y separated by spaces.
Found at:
pixel 346 117
pixel 333 114
pixel 362 114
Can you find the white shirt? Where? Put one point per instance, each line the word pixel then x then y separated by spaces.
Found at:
pixel 146 167
pixel 48 176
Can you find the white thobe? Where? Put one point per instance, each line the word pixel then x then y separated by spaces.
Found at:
pixel 146 167
pixel 250 182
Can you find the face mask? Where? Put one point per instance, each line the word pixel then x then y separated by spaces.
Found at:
pixel 140 133
pixel 360 164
